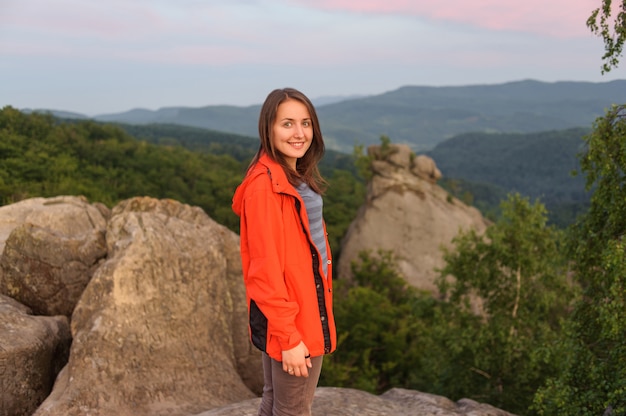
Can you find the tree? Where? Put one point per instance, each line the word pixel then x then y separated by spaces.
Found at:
pixel 512 281
pixel 612 29
pixel 383 328
pixel 592 380
pixel 392 335
pixel 343 198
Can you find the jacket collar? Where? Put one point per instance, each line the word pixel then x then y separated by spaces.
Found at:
pixel 280 183
pixel 270 169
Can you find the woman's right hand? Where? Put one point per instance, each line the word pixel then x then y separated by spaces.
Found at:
pixel 297 361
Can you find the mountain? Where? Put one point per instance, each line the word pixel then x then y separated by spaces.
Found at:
pixel 425 116
pixel 56 113
pixel 536 165
pixel 332 99
pixel 420 116
pixel 478 168
pixel 232 119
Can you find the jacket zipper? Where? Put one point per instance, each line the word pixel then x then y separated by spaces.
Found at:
pixel 319 284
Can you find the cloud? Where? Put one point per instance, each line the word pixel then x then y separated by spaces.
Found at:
pixel 176 32
pixel 109 54
pixel 194 32
pixel 555 18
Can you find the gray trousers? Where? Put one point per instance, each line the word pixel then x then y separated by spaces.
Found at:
pixel 285 395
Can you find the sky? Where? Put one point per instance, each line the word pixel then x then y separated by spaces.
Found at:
pixel 96 57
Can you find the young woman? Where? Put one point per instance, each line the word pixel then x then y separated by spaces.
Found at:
pixel 285 254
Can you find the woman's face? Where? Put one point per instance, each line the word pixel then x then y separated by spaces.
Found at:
pixel 292 131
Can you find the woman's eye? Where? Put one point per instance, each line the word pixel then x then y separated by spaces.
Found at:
pixel 307 124
pixel 287 124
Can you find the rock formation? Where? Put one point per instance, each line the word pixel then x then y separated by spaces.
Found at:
pixel 160 328
pixel 407 213
pixel 395 402
pixel 32 351
pixel 50 248
pixel 156 331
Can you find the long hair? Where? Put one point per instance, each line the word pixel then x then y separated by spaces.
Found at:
pixel 306 166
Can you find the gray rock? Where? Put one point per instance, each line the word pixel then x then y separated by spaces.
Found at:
pixel 418 403
pixel 32 351
pixel 158 330
pixel 405 212
pixel 70 214
pixel 425 167
pixel 51 247
pixel 161 328
pixel 395 402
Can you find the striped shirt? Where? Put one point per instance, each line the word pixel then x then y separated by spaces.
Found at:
pixel 314 206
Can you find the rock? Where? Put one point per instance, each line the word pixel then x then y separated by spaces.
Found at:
pixel 395 402
pixel 161 328
pixel 69 214
pixel 424 167
pixel 32 351
pixel 51 247
pixel 431 404
pixel 405 212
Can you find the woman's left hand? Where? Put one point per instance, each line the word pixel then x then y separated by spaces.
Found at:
pixel 297 361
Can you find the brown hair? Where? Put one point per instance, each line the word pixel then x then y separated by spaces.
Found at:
pixel 306 166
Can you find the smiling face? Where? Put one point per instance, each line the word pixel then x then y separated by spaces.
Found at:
pixel 292 131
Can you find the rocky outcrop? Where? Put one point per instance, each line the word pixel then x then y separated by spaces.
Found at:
pixel 407 213
pixel 395 402
pixel 50 249
pixel 160 328
pixel 32 351
pixel 156 331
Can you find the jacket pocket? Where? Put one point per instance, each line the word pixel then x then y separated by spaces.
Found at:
pixel 258 327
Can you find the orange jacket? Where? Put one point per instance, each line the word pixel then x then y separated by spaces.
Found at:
pixel 289 299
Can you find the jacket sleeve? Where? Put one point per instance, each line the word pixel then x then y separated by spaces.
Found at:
pixel 265 283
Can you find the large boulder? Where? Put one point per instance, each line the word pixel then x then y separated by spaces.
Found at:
pixel 395 402
pixel 50 249
pixel 161 328
pixel 32 351
pixel 407 213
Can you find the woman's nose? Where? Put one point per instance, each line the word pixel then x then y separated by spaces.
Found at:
pixel 299 131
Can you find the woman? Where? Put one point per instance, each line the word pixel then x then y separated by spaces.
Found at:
pixel 285 254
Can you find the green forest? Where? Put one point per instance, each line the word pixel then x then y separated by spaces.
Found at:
pixel 531 317
pixel 41 156
pixel 487 166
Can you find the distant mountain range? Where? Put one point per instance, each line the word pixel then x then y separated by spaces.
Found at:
pixel 416 115
pixel 537 165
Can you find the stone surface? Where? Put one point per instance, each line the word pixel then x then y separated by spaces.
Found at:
pixel 395 402
pixel 161 328
pixel 50 249
pixel 158 330
pixel 424 167
pixel 32 351
pixel 407 215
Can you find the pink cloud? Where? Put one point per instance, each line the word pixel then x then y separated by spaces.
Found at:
pixel 557 18
pixel 133 23
pixel 91 19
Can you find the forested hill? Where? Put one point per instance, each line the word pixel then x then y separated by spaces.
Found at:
pixel 239 147
pixel 486 167
pixel 421 116
pixel 43 157
pixel 480 168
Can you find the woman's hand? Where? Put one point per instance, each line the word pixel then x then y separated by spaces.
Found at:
pixel 297 361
